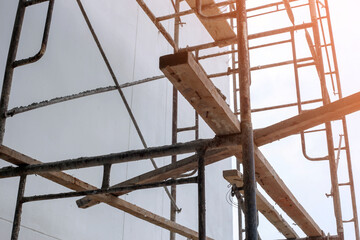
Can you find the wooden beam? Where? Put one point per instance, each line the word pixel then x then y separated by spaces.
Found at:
pixel 76 184
pixel 265 173
pixel 219 29
pixel 235 177
pixel 270 181
pixel 267 177
pixel 192 81
pixel 262 136
pixel 308 119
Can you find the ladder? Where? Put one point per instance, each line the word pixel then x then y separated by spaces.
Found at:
pixel 328 72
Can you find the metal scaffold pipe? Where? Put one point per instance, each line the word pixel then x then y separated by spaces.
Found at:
pixel 128 156
pixel 9 69
pixel 109 190
pixel 14 111
pixel 329 137
pixel 247 139
pixel 18 209
pixel 201 194
pixel 174 126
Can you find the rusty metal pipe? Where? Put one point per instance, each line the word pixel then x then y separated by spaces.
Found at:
pixel 33 2
pixel 158 25
pixel 250 37
pixel 261 67
pixel 18 209
pixel 304 151
pixel 186 129
pixel 298 97
pixel 109 190
pixel 276 4
pixel 116 82
pixel 247 138
pixel 351 179
pixel 201 194
pixel 235 51
pixel 128 156
pixel 233 59
pixel 174 127
pixel 33 106
pixel 236 192
pixel 45 38
pixel 333 50
pixel 284 106
pixel 326 49
pixel 344 123
pixel 191 11
pixel 275 11
pixel 106 176
pixel 330 144
pixel 9 69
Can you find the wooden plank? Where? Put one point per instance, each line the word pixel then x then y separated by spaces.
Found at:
pixel 235 177
pixel 76 184
pixel 263 168
pixel 267 177
pixel 265 135
pixel 270 181
pixel 192 81
pixel 308 119
pixel 219 29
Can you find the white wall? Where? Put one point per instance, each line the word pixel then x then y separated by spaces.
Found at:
pixel 100 124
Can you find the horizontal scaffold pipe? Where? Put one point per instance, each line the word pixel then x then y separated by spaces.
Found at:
pixel 128 156
pixel 110 190
pixel 226 42
pixel 288 127
pixel 76 184
pixel 86 93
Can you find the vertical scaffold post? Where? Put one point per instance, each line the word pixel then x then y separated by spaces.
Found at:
pixel 246 124
pixel 329 137
pixel 201 194
pixel 9 69
pixel 235 101
pixel 173 157
pixel 18 208
pixel 174 118
pixel 106 176
pixel 348 158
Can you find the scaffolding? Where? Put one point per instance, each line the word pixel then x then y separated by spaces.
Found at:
pixel 235 135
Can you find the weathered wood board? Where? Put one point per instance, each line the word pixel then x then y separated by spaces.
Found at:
pixel 192 82
pixel 235 177
pixel 219 29
pixel 76 184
